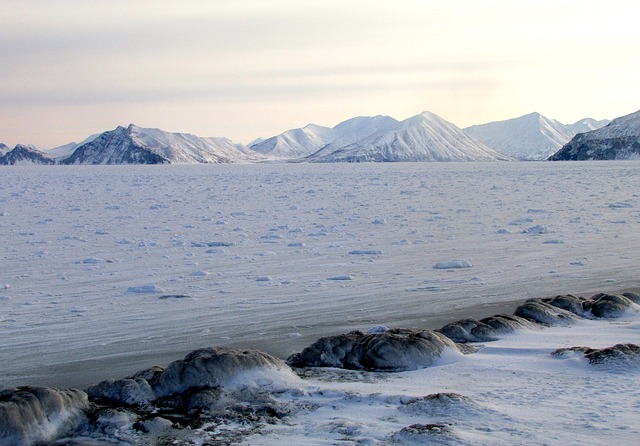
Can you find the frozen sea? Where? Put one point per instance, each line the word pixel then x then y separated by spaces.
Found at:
pixel 109 269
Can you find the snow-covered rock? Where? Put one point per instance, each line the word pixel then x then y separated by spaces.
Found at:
pixel 424 137
pixel 30 415
pixel 22 154
pixel 391 350
pixel 620 140
pixel 530 137
pixel 228 369
pixel 135 145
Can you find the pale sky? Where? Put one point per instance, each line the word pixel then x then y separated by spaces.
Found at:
pixel 249 68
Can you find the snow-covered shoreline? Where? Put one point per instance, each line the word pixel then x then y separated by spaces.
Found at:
pixel 567 363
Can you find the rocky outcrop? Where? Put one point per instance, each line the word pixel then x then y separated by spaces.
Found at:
pixel 230 370
pixel 392 350
pixel 30 415
pixel 620 140
pixel 624 353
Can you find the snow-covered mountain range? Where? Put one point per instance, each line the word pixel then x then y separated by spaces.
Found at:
pixel 532 136
pixel 22 154
pixel 619 140
pixel 424 137
pixel 135 145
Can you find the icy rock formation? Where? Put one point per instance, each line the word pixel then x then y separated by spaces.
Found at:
pixel 468 330
pixel 130 391
pixel 573 304
pixel 538 311
pixel 504 323
pixel 31 415
pixel 610 305
pixel 625 353
pixel 185 380
pixel 392 350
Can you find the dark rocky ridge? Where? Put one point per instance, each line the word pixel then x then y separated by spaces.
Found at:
pixel 619 140
pixel 23 154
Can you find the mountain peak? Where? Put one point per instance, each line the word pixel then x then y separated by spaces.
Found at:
pixel 528 137
pixel 423 137
pixel 22 154
pixel 137 145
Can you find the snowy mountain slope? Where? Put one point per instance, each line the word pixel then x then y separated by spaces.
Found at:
pixel 424 137
pixel 529 137
pixel 65 150
pixel 302 142
pixel 587 125
pixel 135 145
pixel 3 149
pixel 619 140
pixel 22 154
pixel 356 129
pixel 295 143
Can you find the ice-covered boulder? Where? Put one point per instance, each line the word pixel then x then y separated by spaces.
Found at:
pixel 30 415
pixel 135 390
pixel 610 305
pixel 569 302
pixel 468 330
pixel 505 323
pixel 392 350
pixel 628 354
pixel 635 298
pixel 202 378
pixel 543 313
pixel 224 367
